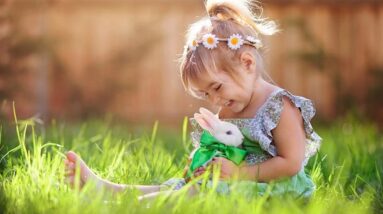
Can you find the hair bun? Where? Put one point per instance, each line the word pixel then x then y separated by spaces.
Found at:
pixel 220 16
pixel 241 12
pixel 221 11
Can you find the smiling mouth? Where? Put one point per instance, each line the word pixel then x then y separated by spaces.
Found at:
pixel 229 103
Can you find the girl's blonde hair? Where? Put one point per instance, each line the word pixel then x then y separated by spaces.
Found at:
pixel 225 18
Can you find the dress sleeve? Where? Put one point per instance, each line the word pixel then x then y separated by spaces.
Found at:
pixel 268 117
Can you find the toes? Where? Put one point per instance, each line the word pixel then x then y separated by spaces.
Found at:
pixel 71 156
pixel 84 170
pixel 74 158
pixel 69 173
pixel 70 166
pixel 69 180
pixel 70 169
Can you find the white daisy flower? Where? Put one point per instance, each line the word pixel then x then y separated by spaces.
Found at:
pixel 251 39
pixel 210 41
pixel 193 46
pixel 235 41
pixel 256 42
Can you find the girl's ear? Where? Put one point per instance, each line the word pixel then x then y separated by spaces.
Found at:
pixel 203 122
pixel 248 61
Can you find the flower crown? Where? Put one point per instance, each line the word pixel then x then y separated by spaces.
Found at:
pixel 235 41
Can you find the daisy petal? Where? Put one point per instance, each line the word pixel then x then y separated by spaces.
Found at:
pixel 235 41
pixel 210 41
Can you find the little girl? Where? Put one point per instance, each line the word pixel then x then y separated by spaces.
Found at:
pixel 222 63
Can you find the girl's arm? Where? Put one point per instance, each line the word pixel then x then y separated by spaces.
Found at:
pixel 289 139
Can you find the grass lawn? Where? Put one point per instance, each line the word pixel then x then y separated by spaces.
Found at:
pixel 348 170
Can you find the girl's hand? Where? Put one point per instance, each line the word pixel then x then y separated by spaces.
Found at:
pixel 229 170
pixel 199 171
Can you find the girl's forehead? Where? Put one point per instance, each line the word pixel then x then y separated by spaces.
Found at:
pixel 199 84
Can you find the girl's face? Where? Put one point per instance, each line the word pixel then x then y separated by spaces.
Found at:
pixel 221 90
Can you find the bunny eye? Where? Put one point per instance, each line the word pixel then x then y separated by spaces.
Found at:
pixel 228 132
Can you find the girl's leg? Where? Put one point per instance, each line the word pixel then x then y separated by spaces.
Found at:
pixel 144 189
pixel 87 175
pixel 150 196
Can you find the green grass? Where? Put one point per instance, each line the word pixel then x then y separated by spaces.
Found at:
pixel 348 170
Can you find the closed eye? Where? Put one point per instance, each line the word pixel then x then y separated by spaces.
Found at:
pixel 217 88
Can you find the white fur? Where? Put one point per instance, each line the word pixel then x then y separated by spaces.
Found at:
pixel 218 128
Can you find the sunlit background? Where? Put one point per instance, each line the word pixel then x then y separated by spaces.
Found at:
pixel 101 73
pixel 75 60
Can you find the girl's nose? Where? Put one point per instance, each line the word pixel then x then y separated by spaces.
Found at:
pixel 216 100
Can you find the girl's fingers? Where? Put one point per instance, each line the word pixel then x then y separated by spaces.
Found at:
pixel 213 161
pixel 216 160
pixel 199 171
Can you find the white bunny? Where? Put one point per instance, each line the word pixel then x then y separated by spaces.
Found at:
pixel 225 132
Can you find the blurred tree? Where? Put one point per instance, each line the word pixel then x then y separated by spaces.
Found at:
pixel 374 94
pixel 15 50
pixel 315 56
pixel 109 77
pixel 50 88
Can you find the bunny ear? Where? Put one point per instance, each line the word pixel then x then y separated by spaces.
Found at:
pixel 203 122
pixel 208 114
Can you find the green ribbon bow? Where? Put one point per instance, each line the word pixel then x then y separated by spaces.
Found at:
pixel 210 147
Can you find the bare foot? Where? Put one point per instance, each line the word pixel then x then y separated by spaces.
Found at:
pixel 86 174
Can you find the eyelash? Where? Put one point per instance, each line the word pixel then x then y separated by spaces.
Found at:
pixel 206 95
pixel 219 87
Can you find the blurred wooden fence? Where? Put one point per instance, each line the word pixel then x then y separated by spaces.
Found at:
pixel 121 57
